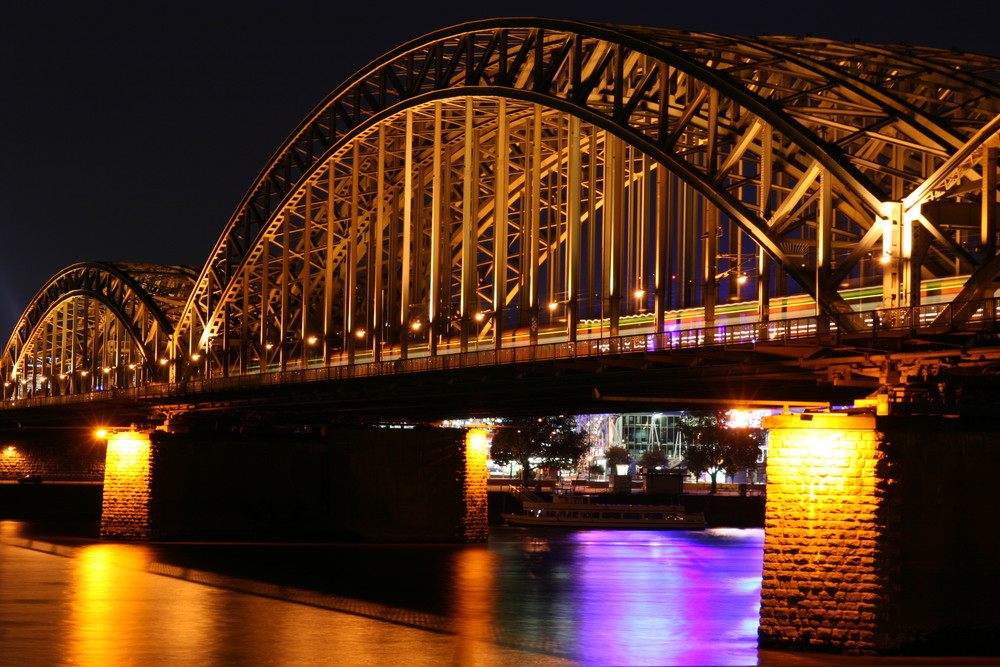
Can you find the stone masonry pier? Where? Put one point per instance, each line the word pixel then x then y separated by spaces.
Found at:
pixel 881 534
pixel 363 484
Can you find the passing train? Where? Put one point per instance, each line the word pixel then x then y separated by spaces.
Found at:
pixel 933 291
pixel 789 317
pixel 734 322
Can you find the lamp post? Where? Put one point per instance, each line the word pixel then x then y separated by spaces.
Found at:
pixel 480 318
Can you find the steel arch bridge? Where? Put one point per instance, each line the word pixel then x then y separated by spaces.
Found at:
pixel 516 182
pixel 97 326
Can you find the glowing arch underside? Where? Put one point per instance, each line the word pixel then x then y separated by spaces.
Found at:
pixel 640 167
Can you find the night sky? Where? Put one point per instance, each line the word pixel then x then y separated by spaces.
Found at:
pixel 130 132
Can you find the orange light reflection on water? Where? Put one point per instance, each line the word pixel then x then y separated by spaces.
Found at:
pixel 110 620
pixel 473 603
pixel 125 609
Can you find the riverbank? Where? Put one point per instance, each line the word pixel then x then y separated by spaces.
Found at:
pixel 720 511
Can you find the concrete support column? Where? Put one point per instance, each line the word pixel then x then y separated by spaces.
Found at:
pixel 879 537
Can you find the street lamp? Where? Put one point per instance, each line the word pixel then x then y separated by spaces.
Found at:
pixel 480 317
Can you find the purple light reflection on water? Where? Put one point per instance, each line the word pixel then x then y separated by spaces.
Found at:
pixel 666 598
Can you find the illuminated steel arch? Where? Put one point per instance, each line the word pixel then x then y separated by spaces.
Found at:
pixel 503 181
pixel 96 326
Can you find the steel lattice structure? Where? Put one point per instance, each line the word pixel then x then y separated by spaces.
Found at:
pixel 512 181
pixel 97 326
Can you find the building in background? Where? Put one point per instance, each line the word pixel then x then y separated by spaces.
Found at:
pixel 637 432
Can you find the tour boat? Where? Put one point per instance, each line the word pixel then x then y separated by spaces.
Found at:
pixel 581 511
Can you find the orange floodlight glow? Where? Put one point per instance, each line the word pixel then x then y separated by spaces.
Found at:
pixel 475 439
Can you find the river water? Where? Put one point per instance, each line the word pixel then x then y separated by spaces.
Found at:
pixel 531 596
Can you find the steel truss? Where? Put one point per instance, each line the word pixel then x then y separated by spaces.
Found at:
pixel 96 326
pixel 637 170
pixel 508 182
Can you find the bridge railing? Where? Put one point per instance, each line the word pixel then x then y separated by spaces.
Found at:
pixel 882 322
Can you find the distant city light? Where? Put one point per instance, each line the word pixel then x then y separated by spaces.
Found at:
pixel 745 418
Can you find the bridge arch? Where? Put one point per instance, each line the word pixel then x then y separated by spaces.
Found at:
pixel 96 326
pixel 768 158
